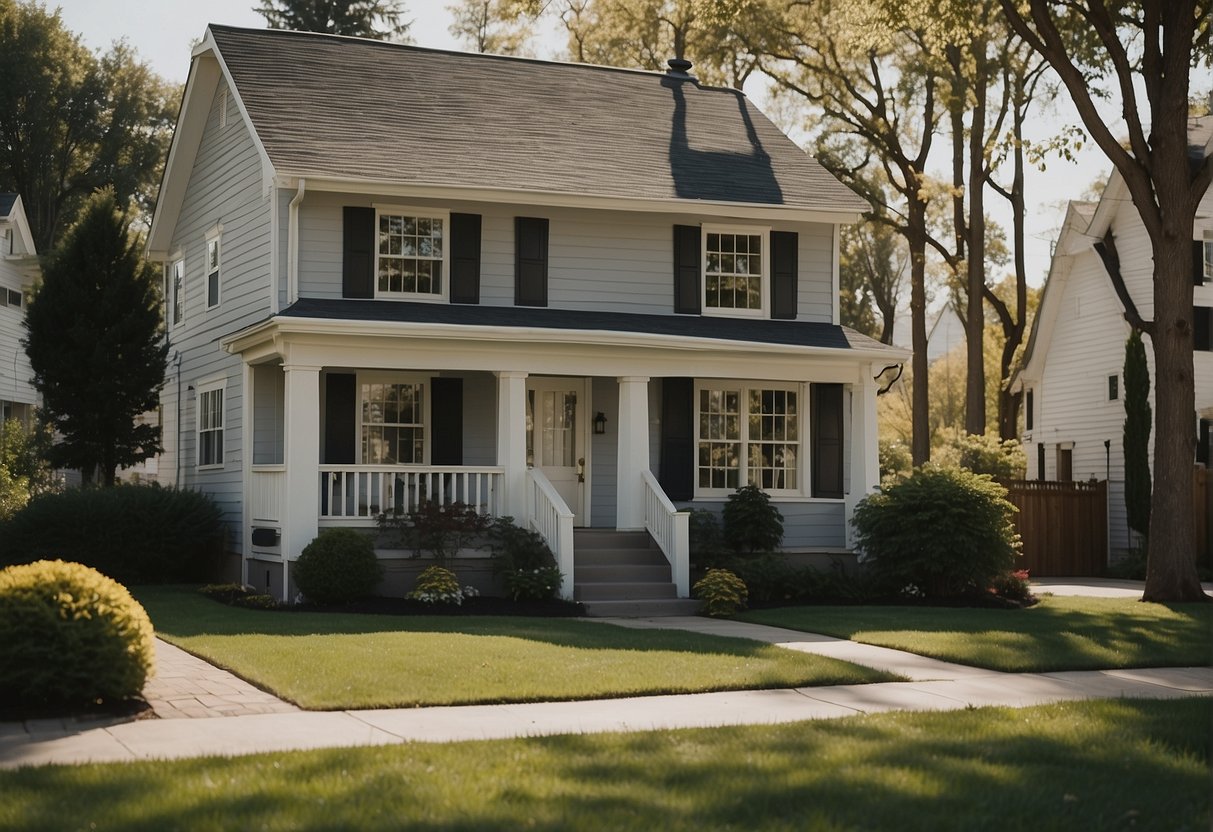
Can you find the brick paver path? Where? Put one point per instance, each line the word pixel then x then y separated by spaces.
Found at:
pixel 186 687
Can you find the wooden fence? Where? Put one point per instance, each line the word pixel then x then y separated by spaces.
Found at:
pixel 1063 526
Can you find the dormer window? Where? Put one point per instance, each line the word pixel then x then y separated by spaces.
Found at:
pixel 735 270
pixel 410 252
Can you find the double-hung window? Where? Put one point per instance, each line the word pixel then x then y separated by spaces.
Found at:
pixel 175 280
pixel 392 422
pixel 410 254
pixel 748 435
pixel 210 425
pixel 1208 260
pixel 736 270
pixel 212 270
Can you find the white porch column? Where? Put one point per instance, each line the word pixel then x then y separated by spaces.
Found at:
pixel 511 441
pixel 633 451
pixel 301 491
pixel 864 439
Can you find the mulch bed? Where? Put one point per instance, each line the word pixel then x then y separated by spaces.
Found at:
pixel 126 710
pixel 480 605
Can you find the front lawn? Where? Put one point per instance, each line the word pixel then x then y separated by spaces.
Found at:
pixel 329 661
pixel 1112 764
pixel 1059 633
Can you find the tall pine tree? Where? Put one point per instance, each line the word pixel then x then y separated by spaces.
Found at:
pixel 94 342
pixel 1137 436
pixel 378 19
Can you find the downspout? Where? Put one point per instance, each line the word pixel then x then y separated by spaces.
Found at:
pixel 177 424
pixel 292 243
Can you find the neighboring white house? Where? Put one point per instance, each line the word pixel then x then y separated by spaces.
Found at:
pixel 18 271
pixel 577 295
pixel 1073 369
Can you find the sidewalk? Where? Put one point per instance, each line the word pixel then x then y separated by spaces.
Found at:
pixel 934 685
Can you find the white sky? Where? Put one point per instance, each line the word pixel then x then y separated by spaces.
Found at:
pixel 162 31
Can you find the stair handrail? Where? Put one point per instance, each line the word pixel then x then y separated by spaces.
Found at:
pixel 671 529
pixel 550 516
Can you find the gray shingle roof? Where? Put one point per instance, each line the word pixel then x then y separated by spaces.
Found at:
pixel 789 333
pixel 341 107
pixel 6 204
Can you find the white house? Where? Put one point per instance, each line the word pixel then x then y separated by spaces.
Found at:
pixel 18 271
pixel 580 296
pixel 1073 369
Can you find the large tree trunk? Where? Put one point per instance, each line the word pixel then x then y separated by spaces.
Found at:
pixel 975 321
pixel 920 402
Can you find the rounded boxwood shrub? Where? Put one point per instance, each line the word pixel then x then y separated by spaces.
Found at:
pixel 939 533
pixel 71 637
pixel 752 525
pixel 437 585
pixel 337 567
pixel 132 533
pixel 722 592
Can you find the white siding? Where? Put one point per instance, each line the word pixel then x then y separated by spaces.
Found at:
pixel 15 372
pixel 225 189
pixel 610 261
pixel 806 526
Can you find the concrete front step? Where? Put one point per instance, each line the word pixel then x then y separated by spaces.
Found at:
pixel 609 539
pixel 629 572
pixel 653 608
pixel 619 557
pixel 623 591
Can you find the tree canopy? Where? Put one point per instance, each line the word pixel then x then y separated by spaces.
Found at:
pixel 378 19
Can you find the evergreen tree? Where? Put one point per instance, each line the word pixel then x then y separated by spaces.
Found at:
pixel 1137 435
pixel 380 19
pixel 94 342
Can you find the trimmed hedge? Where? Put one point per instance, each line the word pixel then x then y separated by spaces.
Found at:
pixel 337 567
pixel 71 637
pixel 132 533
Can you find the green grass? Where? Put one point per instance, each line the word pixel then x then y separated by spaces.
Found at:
pixel 1059 633
pixel 328 661
pixel 1112 764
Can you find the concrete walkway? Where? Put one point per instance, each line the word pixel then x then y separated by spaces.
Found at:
pixel 934 685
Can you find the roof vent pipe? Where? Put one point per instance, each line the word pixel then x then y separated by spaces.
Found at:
pixel 679 67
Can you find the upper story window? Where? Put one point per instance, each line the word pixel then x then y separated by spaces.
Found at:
pixel 11 297
pixel 1113 387
pixel 212 270
pixel 1208 260
pixel 210 425
pixel 736 271
pixel 392 422
pixel 175 280
pixel 748 436
pixel 411 254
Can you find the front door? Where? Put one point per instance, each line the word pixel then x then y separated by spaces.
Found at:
pixel 555 437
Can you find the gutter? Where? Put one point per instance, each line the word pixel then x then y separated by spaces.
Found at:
pixel 292 244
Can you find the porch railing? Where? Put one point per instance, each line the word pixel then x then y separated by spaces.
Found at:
pixel 265 493
pixel 671 529
pixel 550 516
pixel 363 492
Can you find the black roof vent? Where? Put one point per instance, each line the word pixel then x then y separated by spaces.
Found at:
pixel 680 67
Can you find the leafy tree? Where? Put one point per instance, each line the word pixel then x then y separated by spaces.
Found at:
pixel 1137 436
pixel 485 26
pixel 379 19
pixel 23 470
pixel 95 345
pixel 872 264
pixel 1150 47
pixel 72 122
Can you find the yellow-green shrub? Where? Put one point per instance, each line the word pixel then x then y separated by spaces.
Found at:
pixel 722 592
pixel 437 585
pixel 69 636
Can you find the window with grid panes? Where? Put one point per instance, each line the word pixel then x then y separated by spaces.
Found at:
pixel 748 435
pixel 410 256
pixel 212 273
pixel 735 266
pixel 393 423
pixel 210 427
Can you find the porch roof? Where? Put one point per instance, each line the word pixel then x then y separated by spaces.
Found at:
pixel 809 334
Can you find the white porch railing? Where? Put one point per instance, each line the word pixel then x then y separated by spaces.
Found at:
pixel 360 493
pixel 265 493
pixel 671 529
pixel 550 516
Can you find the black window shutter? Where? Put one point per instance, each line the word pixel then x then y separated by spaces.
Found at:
pixel 446 421
pixel 1200 328
pixel 1198 262
pixel 358 253
pixel 678 438
pixel 784 273
pixel 688 261
pixel 1040 462
pixel 1028 408
pixel 530 261
pixel 340 415
pixel 826 416
pixel 465 258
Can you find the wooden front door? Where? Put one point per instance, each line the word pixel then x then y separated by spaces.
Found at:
pixel 555 437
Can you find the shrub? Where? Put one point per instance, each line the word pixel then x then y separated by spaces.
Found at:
pixel 518 549
pixel 1013 586
pixel 132 533
pixel 533 584
pixel 895 459
pixel 72 637
pixel 985 454
pixel 707 539
pixel 946 531
pixel 436 529
pixel 437 585
pixel 722 592
pixel 239 595
pixel 337 567
pixel 751 523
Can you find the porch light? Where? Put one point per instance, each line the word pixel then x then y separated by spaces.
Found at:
pixel 600 423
